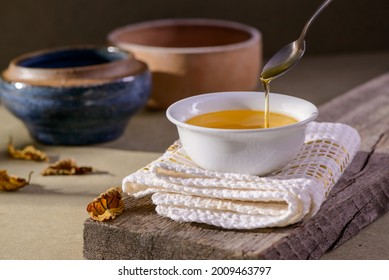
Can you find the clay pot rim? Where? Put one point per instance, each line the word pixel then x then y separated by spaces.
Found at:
pixel 255 35
pixel 94 74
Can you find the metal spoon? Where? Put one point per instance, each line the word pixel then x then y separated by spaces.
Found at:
pixel 290 54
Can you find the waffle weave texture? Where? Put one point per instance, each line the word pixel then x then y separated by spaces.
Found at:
pixel 184 192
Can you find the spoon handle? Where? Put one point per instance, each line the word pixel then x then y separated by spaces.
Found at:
pixel 313 17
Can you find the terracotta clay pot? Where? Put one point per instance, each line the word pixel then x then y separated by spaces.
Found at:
pixel 193 56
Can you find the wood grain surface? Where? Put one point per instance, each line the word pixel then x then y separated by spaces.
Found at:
pixel 360 197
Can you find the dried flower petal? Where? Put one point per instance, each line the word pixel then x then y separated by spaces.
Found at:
pixel 12 183
pixel 107 206
pixel 66 167
pixel 28 153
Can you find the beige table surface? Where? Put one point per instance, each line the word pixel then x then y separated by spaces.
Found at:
pixel 45 219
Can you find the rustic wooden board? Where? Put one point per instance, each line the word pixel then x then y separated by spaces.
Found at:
pixel 360 197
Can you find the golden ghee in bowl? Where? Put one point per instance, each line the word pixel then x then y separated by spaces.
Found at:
pixel 240 119
pixel 224 131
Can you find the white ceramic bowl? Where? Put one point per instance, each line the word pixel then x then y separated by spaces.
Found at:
pixel 250 151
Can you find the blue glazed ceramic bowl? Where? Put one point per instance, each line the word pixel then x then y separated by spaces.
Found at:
pixel 75 95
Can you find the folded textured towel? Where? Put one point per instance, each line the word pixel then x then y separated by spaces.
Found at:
pixel 183 191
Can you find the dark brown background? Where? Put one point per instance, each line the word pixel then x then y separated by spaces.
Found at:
pixel 346 25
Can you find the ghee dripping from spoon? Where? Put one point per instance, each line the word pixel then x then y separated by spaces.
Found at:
pixel 285 59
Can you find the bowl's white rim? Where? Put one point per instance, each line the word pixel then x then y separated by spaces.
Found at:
pixel 305 121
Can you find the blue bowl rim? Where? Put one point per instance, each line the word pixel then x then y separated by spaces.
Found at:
pixel 74 76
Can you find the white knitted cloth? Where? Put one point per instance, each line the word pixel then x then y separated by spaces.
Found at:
pixel 185 192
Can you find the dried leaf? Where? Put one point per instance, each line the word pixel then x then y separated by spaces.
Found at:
pixel 12 183
pixel 66 167
pixel 28 153
pixel 107 206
